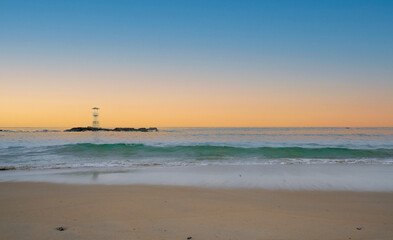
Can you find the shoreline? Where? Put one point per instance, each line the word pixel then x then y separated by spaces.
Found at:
pixel 34 210
pixel 324 177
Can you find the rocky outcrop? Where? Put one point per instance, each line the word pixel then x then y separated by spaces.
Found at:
pixel 124 129
pixel 85 129
pixel 93 129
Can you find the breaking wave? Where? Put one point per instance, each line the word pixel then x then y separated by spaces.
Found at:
pixel 140 155
pixel 208 151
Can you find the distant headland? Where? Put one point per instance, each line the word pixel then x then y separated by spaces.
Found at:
pixel 96 129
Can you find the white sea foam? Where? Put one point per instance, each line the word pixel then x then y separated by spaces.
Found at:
pixel 275 177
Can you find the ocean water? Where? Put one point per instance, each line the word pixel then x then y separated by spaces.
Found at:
pixel 278 158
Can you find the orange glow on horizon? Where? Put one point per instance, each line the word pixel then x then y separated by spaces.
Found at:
pixel 178 101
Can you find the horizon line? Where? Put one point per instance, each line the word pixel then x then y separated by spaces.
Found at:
pixel 234 127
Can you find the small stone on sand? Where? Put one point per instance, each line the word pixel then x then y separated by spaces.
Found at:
pixel 60 229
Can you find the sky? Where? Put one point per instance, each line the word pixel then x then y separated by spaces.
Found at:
pixel 192 63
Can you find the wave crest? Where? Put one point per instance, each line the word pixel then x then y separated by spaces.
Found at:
pixel 209 151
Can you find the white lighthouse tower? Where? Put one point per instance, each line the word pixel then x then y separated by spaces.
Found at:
pixel 96 123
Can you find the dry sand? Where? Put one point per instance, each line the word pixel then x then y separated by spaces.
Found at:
pixel 34 210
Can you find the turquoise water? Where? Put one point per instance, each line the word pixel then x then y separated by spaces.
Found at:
pixel 355 159
pixel 38 148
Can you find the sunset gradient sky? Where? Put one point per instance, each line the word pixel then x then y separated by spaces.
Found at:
pixel 196 63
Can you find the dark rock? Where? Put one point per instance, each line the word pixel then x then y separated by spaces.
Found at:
pixel 189 238
pixel 125 129
pixel 7 168
pixel 60 229
pixel 84 129
pixel 359 228
pixel 93 129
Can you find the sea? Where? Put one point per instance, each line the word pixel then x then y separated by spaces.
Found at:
pixel 327 159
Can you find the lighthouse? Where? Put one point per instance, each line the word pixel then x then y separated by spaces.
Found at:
pixel 96 123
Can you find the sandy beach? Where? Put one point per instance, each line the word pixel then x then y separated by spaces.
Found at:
pixel 35 210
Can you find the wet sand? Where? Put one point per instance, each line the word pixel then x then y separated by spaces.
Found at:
pixel 34 210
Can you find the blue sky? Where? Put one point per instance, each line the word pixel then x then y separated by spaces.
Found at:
pixel 332 32
pixel 292 43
